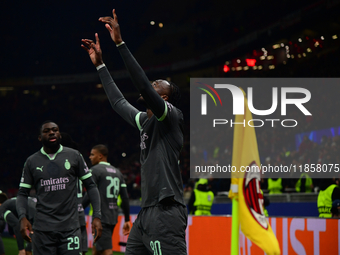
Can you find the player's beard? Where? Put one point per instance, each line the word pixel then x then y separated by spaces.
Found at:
pixel 51 145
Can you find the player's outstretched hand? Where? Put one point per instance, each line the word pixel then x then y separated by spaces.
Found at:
pixel 93 49
pixel 24 225
pixel 113 27
pixel 96 227
pixel 126 228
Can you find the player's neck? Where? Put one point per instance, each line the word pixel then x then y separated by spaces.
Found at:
pixel 49 150
pixel 149 113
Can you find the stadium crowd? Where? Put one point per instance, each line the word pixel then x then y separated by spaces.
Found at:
pixel 83 110
pixel 86 114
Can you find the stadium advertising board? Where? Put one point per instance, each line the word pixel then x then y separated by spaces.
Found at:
pixel 211 235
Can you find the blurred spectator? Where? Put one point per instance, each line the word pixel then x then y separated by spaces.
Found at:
pixel 304 184
pixel 329 192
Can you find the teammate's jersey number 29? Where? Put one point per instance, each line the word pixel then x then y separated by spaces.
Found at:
pixel 112 190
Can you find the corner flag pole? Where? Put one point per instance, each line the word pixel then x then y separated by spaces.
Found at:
pixel 234 224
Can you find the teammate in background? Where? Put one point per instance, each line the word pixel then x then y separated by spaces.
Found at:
pixel 201 199
pixel 8 213
pixel 110 184
pixel 67 141
pixel 161 223
pixel 53 172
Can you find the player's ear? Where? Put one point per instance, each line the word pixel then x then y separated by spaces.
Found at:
pixel 39 138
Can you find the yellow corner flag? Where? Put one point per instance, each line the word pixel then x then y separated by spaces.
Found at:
pixel 245 187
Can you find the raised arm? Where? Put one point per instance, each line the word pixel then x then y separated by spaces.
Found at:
pixel 137 74
pixel 116 98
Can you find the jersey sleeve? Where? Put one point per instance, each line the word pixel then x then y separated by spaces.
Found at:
pixel 140 118
pixel 116 98
pixel 125 198
pixel 121 181
pixel 26 177
pixel 83 172
pixel 25 186
pixel 95 176
pixel 171 115
pixel 142 83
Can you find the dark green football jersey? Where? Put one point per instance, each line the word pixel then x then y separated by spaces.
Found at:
pixel 109 181
pixel 55 178
pixel 161 144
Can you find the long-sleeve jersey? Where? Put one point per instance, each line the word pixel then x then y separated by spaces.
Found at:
pixel 161 135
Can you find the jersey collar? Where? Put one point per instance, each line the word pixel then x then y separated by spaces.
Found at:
pixel 104 163
pixel 43 152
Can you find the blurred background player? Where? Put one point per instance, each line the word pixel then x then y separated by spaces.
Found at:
pixel 66 140
pixel 201 199
pixel 9 215
pixel 110 184
pixel 53 172
pixel 161 223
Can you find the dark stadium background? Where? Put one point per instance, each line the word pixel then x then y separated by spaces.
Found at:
pixel 45 75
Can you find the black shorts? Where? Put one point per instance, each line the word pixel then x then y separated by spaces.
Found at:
pixel 105 241
pixel 57 242
pixel 28 245
pixel 159 229
pixel 83 243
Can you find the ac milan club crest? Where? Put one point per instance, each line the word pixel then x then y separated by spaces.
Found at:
pixel 253 195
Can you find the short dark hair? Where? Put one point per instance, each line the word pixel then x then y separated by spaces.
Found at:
pixel 3 197
pixel 175 94
pixel 46 121
pixel 102 149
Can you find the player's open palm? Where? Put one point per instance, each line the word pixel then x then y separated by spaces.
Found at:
pixel 113 27
pixel 93 49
